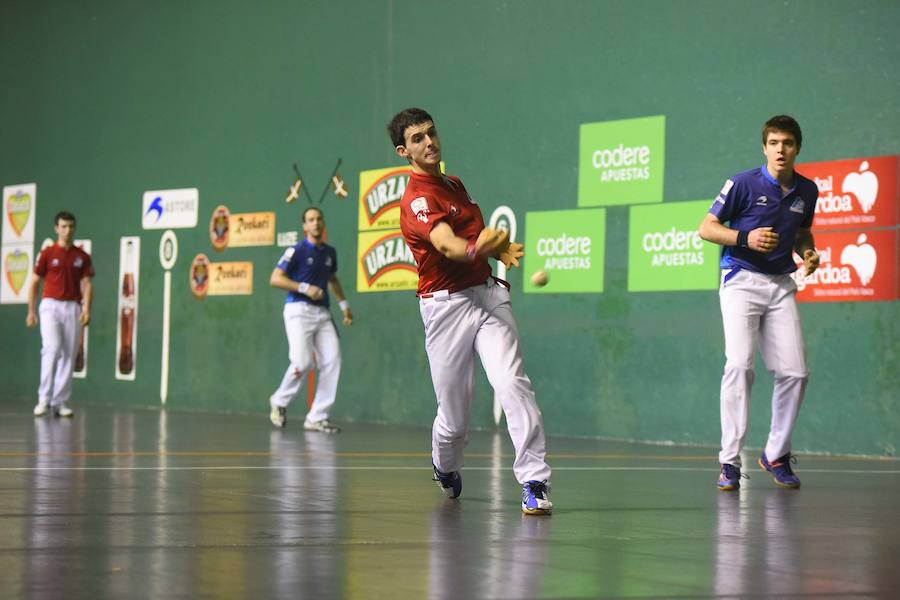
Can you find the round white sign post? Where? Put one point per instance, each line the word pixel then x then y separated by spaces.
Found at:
pixel 168 254
pixel 503 218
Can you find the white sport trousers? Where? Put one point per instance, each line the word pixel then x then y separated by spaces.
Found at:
pixel 479 320
pixel 760 310
pixel 310 329
pixel 60 331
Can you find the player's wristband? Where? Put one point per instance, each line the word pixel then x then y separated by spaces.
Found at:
pixel 303 288
pixel 470 251
pixel 344 305
pixel 742 239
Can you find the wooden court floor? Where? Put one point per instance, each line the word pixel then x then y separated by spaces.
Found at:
pixel 122 503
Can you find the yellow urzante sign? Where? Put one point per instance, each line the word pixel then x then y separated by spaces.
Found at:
pixel 385 264
pixel 380 191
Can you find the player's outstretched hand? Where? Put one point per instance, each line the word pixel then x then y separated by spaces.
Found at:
pixel 810 261
pixel 762 239
pixel 510 257
pixel 491 242
pixel 348 317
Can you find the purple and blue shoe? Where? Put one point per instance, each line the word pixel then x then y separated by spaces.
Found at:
pixel 781 470
pixel 729 478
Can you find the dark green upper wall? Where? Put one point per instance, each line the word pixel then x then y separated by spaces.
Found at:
pixel 103 100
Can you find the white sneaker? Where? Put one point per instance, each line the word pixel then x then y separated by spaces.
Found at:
pixel 325 426
pixel 62 411
pixel 40 409
pixel 278 416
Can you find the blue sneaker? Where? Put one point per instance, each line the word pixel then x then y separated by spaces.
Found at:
pixel 729 478
pixel 781 470
pixel 450 483
pixel 536 498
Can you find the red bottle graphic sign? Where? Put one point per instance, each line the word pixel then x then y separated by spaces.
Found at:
pixel 126 341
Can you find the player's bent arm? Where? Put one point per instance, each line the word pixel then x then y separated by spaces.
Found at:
pixel 761 239
pixel 280 280
pixel 447 243
pixel 490 242
pixel 712 230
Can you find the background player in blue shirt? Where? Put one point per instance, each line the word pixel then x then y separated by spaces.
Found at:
pixel 305 271
pixel 769 212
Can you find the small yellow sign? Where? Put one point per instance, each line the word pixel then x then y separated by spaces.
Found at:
pixel 386 263
pixel 252 229
pixel 230 278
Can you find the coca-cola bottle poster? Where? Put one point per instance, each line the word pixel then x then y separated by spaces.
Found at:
pixel 81 356
pixel 126 315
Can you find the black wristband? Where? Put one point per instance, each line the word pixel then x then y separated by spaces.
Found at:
pixel 742 239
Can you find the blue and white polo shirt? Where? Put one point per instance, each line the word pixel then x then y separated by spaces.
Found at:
pixel 754 199
pixel 315 265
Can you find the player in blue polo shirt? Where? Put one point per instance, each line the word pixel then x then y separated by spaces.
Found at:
pixel 305 271
pixel 769 212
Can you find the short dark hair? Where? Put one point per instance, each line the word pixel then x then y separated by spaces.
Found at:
pixel 309 208
pixel 783 123
pixel 63 215
pixel 403 119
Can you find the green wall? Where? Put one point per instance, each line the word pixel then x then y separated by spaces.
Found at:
pixel 104 100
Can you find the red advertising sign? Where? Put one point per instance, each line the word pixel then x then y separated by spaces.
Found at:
pixel 854 193
pixel 854 267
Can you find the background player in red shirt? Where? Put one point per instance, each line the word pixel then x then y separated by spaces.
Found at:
pixel 465 312
pixel 66 272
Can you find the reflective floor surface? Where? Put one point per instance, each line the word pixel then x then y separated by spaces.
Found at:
pixel 147 504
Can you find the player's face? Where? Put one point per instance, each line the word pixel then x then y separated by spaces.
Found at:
pixel 65 230
pixel 313 224
pixel 781 151
pixel 422 147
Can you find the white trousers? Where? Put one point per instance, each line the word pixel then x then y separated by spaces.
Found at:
pixel 60 333
pixel 761 310
pixel 310 329
pixel 458 326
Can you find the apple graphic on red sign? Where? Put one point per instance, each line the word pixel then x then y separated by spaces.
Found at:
pixel 863 185
pixel 862 257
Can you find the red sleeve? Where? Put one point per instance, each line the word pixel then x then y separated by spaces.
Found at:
pixel 423 213
pixel 40 267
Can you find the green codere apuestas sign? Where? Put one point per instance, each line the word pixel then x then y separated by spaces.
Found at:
pixel 622 162
pixel 569 246
pixel 665 252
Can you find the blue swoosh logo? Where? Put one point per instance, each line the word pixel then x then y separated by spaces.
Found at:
pixel 156 205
